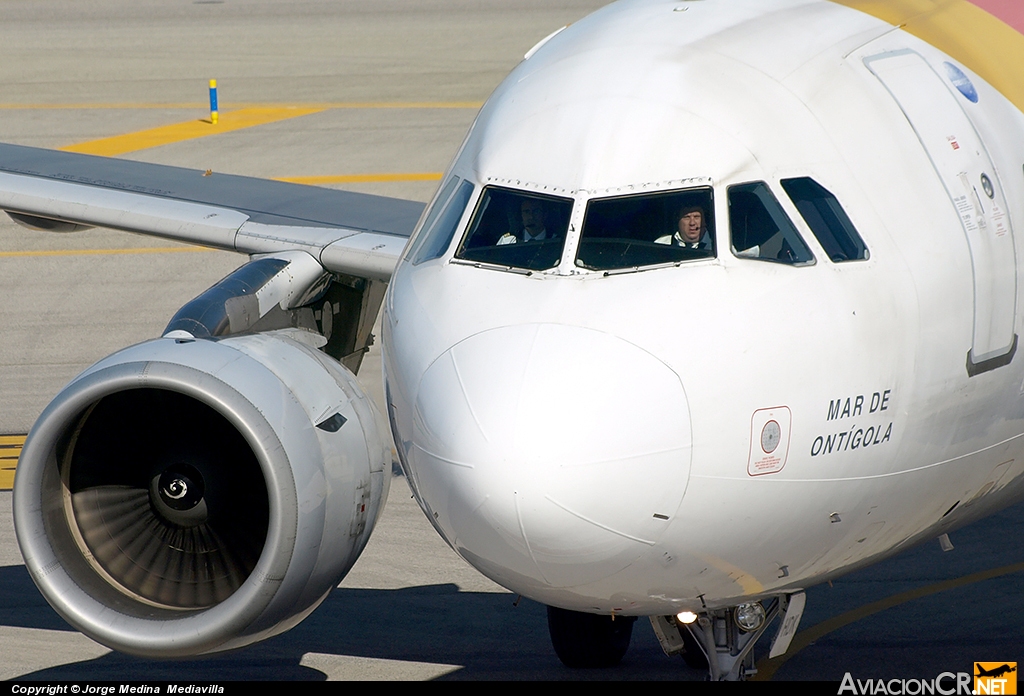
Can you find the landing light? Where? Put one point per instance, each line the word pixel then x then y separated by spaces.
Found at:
pixel 749 616
pixel 686 617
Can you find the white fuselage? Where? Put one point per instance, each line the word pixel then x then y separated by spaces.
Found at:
pixel 593 440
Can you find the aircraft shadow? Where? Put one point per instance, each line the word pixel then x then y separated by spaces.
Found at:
pixel 490 638
pixel 482 633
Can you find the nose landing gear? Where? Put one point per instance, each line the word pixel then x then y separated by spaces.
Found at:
pixel 718 640
pixel 589 640
pixel 722 640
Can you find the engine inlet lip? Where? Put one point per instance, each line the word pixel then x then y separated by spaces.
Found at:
pixel 72 587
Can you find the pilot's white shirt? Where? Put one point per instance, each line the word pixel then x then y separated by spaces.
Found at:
pixel 676 240
pixel 508 238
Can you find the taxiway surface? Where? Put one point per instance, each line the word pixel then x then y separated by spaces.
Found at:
pixel 382 93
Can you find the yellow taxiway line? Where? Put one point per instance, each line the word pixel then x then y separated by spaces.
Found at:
pixel 361 178
pixel 100 252
pixel 10 450
pixel 767 668
pixel 244 116
pixel 320 106
pixel 189 130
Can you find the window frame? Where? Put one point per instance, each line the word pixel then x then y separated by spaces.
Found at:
pixel 483 201
pixel 447 216
pixel 430 214
pixel 780 215
pixel 707 205
pixel 842 222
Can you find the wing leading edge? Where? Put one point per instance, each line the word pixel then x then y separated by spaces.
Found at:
pixel 357 234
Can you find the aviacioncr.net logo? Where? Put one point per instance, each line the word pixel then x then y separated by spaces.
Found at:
pixel 995 678
pixel 946 684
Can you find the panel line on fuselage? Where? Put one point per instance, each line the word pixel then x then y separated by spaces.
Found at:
pixel 868 477
pixel 598 524
pixel 439 458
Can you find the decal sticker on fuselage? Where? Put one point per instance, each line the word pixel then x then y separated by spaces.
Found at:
pixel 769 440
pixel 962 83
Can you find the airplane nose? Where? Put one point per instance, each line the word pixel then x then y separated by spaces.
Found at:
pixel 550 456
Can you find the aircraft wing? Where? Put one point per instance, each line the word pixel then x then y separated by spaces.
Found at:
pixel 292 327
pixel 353 233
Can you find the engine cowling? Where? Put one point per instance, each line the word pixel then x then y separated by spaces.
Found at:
pixel 191 496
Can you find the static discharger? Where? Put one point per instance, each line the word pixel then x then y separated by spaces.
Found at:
pixel 213 102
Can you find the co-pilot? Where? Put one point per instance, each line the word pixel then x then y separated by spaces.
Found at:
pixel 534 227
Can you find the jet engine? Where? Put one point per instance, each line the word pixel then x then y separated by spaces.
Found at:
pixel 188 496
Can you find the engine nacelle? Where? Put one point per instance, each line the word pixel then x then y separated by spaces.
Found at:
pixel 190 496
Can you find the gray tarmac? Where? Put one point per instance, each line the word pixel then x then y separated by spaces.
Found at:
pixel 410 609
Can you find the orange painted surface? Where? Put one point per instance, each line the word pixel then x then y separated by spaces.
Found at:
pixel 986 36
pixel 1009 11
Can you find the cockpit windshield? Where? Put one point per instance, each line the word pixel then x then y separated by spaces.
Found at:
pixel 517 229
pixel 647 229
pixel 436 234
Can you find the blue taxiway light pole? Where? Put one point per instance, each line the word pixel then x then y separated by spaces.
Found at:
pixel 213 102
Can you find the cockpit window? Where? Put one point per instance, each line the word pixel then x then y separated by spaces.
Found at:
pixel 436 207
pixel 827 219
pixel 439 227
pixel 517 229
pixel 648 229
pixel 760 229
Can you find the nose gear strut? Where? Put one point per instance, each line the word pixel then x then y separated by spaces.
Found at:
pixel 717 642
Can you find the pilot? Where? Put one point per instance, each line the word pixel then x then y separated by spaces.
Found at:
pixel 691 232
pixel 534 228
